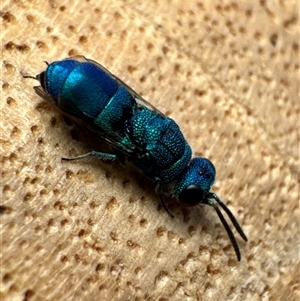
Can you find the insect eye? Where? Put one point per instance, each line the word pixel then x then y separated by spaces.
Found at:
pixel 191 196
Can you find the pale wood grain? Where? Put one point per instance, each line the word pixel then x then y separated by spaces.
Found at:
pixel 228 73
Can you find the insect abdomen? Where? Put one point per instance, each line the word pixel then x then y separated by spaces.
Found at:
pixel 84 90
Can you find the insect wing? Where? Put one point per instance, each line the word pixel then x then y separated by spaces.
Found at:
pixel 125 149
pixel 139 99
pixel 80 117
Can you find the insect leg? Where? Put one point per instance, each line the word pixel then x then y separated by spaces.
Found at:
pixel 165 206
pixel 158 190
pixel 98 155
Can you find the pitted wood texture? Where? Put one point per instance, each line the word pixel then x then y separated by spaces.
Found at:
pixel 228 73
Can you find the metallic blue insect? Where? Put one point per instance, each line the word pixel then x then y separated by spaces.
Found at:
pixel 89 94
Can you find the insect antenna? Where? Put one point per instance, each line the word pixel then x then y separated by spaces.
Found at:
pixel 229 213
pixel 227 228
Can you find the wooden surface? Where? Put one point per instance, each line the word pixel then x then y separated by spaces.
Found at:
pixel 228 73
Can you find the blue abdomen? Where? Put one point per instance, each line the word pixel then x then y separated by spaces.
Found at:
pixel 86 91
